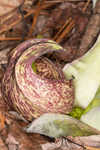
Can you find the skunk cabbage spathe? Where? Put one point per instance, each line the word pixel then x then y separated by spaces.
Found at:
pixel 32 94
pixel 86 74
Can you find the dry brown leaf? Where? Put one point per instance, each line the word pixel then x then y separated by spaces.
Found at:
pixel 12 136
pixel 8 5
pixel 87 142
pixel 2 145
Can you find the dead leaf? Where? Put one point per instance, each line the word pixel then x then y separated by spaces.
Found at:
pixel 7 6
pixel 2 145
pixel 78 143
pixel 13 137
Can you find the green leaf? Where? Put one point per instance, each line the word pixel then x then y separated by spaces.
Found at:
pixel 58 125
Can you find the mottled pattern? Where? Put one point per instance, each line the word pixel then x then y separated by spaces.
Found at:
pixel 46 69
pixel 30 93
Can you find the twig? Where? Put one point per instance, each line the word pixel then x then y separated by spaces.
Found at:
pixel 83 146
pixel 86 5
pixel 37 12
pixel 24 23
pixel 13 38
pixel 62 28
pixel 6 28
pixel 66 31
pixel 2 120
pixel 69 27
pixel 43 12
pixel 60 1
pixel 91 148
pixel 10 38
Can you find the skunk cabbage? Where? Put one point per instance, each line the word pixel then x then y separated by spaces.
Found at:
pixel 86 74
pixel 32 91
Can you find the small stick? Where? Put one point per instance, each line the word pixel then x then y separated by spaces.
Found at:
pixel 10 38
pixel 66 31
pixel 24 23
pixel 69 28
pixel 60 1
pixel 91 148
pixel 6 28
pixel 83 146
pixel 62 27
pixel 86 5
pixel 35 17
pixel 2 120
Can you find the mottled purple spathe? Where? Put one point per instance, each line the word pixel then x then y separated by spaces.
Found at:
pixel 26 92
